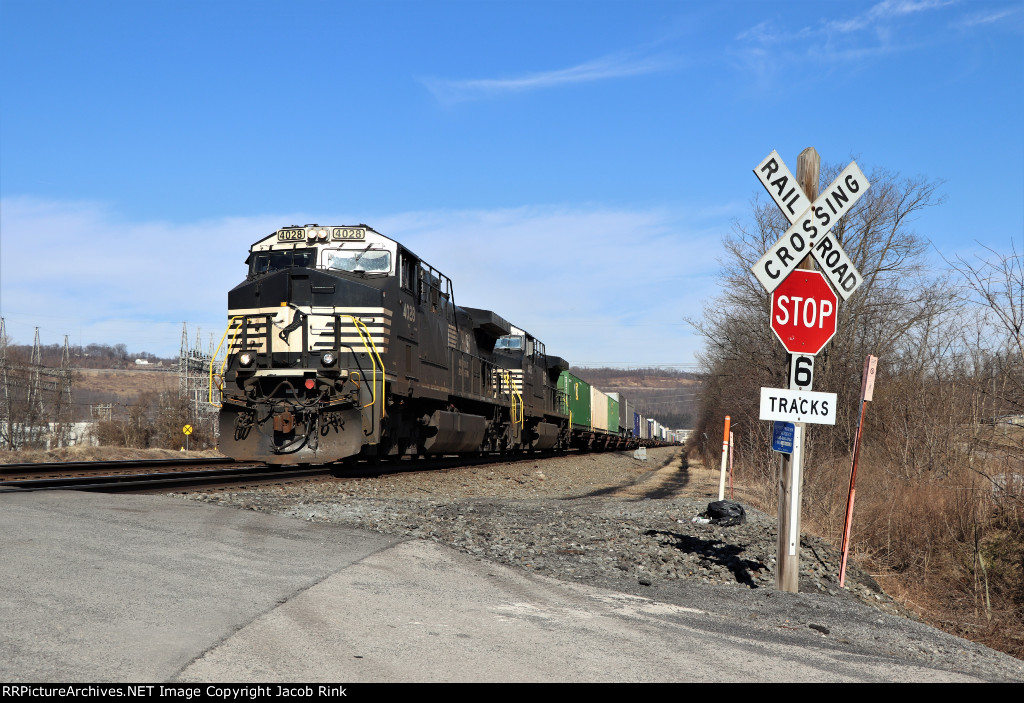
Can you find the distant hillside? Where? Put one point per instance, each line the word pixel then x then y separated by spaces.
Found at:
pixel 90 356
pixel 666 395
pixel 120 388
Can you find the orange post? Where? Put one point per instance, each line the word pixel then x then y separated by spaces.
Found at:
pixel 725 459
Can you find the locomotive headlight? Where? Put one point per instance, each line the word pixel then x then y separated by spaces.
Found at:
pixel 321 234
pixel 246 359
pixel 328 358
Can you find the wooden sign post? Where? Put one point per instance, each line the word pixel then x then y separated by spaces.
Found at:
pixel 787 552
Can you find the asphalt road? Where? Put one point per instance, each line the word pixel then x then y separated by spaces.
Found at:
pixel 116 588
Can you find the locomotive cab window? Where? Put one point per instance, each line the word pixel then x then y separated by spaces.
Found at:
pixel 364 260
pixel 511 342
pixel 270 261
pixel 407 269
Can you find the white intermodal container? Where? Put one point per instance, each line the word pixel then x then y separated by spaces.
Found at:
pixel 598 410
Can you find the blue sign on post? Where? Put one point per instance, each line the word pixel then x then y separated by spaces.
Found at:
pixel 782 436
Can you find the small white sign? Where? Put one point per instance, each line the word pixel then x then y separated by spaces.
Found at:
pixel 801 372
pixel 868 383
pixel 780 404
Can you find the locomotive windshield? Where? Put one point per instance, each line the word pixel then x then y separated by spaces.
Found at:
pixel 509 342
pixel 367 260
pixel 269 261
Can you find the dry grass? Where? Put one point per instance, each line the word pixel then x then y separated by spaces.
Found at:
pixel 125 381
pixel 945 546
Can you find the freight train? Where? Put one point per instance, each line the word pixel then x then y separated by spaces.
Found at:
pixel 342 343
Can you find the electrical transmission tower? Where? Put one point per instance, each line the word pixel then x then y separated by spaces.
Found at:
pixel 63 416
pixel 35 401
pixel 35 431
pixel 194 381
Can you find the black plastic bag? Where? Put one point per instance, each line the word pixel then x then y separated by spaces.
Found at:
pixel 726 513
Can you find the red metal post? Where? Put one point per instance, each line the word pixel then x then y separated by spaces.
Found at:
pixel 867 386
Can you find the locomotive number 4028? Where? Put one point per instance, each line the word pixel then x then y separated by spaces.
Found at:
pixel 348 233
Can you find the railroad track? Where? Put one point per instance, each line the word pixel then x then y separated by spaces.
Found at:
pixel 141 475
pixel 145 475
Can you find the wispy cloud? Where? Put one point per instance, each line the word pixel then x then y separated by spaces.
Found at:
pixel 879 31
pixel 984 18
pixel 605 68
pixel 887 10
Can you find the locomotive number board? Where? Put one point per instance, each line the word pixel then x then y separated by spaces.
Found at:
pixel 346 233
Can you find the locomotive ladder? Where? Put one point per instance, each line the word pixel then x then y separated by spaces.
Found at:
pixel 516 418
pixel 371 350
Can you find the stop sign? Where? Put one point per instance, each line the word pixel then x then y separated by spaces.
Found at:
pixel 804 310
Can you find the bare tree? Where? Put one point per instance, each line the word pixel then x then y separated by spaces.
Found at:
pixel 997 284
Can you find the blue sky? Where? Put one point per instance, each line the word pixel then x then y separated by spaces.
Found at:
pixel 571 165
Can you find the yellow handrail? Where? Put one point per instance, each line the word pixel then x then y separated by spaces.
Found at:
pixel 371 349
pixel 514 393
pixel 213 359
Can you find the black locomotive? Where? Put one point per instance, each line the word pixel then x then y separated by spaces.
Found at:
pixel 344 343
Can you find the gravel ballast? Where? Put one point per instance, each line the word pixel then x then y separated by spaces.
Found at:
pixel 613 521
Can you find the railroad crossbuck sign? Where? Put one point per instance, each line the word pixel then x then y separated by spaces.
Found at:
pixel 804 312
pixel 811 226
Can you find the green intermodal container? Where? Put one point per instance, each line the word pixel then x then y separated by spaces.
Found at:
pixel 613 415
pixel 577 397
